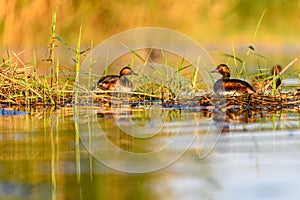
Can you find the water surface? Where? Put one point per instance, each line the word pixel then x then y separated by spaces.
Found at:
pixel 43 156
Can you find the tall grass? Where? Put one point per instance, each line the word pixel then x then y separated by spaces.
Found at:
pixel 77 140
pixel 52 46
pixel 250 48
pixel 22 85
pixel 242 71
pixel 77 66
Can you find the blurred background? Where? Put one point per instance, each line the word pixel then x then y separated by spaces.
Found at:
pixel 218 25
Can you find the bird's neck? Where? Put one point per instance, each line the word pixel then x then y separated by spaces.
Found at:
pixel 226 76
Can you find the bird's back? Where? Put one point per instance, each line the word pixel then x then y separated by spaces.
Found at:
pixel 108 82
pixel 232 87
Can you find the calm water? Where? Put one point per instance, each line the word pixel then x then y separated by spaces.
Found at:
pixel 186 154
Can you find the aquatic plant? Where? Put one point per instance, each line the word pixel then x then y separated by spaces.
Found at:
pixel 21 84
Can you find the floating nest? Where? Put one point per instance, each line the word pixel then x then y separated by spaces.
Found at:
pixel 18 93
pixel 249 108
pixel 21 86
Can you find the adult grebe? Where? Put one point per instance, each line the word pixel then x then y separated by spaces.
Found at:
pixel 266 83
pixel 227 86
pixel 275 71
pixel 117 82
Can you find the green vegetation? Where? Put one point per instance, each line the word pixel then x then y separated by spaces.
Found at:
pixel 22 84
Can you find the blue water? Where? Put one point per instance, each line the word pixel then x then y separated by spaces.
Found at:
pixel 6 112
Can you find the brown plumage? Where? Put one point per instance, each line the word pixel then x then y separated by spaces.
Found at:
pixel 261 82
pixel 227 86
pixel 275 71
pixel 117 82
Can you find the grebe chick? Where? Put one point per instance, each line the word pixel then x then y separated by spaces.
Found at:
pixel 117 82
pixel 228 86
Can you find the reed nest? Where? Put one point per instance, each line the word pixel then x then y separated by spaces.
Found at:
pixel 21 86
pixel 290 100
pixel 16 90
pixel 236 109
pixel 258 101
pixel 249 108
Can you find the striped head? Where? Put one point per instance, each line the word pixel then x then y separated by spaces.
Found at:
pixel 276 69
pixel 127 71
pixel 223 70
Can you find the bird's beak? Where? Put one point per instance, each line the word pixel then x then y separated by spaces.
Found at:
pixel 214 71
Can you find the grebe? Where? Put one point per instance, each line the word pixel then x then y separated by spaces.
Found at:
pixel 276 71
pixel 117 82
pixel 227 86
pixel 262 83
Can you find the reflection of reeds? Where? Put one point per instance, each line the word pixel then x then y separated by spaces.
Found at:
pixel 38 149
pixel 242 108
pixel 289 100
